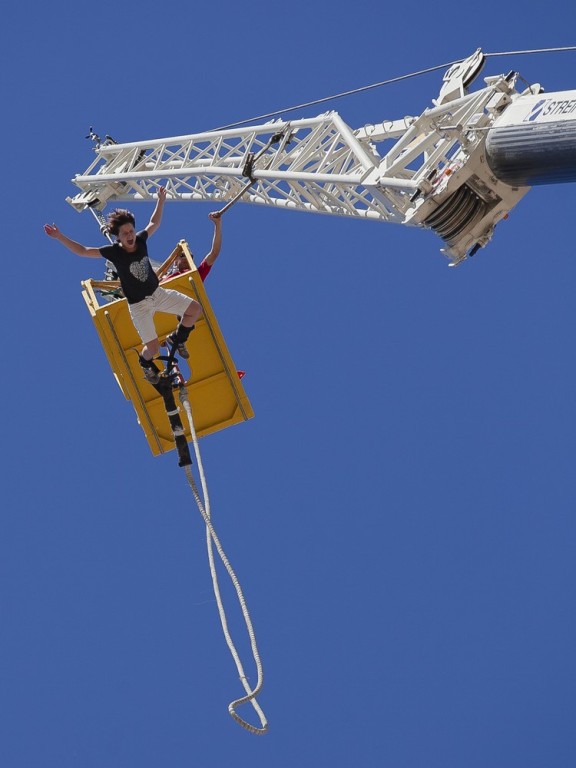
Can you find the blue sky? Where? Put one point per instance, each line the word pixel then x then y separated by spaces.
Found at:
pixel 400 511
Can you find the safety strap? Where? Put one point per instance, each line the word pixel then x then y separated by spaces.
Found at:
pixel 165 388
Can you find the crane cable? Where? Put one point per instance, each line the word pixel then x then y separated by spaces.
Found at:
pixel 248 170
pixel 211 536
pixel 389 82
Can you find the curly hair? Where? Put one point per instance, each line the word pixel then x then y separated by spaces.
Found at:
pixel 117 218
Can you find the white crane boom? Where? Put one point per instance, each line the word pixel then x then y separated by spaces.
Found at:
pixel 435 174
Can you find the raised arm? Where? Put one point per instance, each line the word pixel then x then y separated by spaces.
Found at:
pixel 216 240
pixel 156 217
pixel 76 248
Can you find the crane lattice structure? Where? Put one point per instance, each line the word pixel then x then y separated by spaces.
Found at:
pixel 434 174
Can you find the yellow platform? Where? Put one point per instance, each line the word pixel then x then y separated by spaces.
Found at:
pixel 216 393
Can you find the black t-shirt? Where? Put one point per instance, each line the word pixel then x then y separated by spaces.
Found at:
pixel 137 278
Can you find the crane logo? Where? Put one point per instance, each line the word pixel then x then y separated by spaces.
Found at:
pixel 535 111
pixel 551 108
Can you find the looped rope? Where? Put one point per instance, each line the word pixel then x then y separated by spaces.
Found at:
pixel 211 537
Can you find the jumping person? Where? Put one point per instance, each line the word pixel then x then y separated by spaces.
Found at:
pixel 139 282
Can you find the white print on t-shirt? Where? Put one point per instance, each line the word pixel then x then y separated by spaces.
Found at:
pixel 140 270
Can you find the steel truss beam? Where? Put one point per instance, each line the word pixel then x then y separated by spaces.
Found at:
pixel 434 175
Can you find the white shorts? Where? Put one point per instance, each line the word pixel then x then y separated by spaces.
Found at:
pixel 162 300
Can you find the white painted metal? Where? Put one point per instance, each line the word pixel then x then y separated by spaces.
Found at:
pixel 434 175
pixel 539 107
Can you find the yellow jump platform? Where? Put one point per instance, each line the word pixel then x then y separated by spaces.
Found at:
pixel 214 388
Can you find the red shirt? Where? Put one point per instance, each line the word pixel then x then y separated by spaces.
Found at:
pixel 203 270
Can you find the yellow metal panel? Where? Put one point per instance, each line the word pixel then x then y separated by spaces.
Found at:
pixel 216 393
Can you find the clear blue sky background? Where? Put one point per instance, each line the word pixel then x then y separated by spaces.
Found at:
pixel 401 510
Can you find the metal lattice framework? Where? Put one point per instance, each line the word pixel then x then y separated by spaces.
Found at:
pixel 434 175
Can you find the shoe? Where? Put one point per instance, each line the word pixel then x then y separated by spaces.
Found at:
pixel 150 371
pixel 181 347
pixel 151 375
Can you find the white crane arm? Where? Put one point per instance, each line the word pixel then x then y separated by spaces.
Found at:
pixel 434 175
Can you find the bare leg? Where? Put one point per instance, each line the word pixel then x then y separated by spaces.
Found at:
pixel 151 349
pixel 179 337
pixel 192 314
